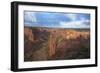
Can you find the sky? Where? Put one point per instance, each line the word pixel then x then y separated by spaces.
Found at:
pixel 56 19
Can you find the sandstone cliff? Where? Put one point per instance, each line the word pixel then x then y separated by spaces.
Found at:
pixel 56 44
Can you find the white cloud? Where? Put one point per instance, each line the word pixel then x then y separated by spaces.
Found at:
pixel 30 16
pixel 71 16
pixel 75 24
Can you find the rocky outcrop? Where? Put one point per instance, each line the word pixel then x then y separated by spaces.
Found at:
pixel 28 33
pixel 34 44
pixel 69 39
pixel 56 44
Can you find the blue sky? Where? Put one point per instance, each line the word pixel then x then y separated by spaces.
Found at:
pixel 57 20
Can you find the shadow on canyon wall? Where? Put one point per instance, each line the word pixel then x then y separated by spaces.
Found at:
pixel 56 44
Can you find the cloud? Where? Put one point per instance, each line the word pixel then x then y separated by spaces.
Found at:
pixel 72 16
pixel 75 24
pixel 78 16
pixel 57 20
pixel 30 17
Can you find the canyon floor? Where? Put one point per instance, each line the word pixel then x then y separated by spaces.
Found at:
pixel 41 44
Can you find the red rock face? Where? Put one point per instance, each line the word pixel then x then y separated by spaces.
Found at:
pixel 55 44
pixel 52 45
pixel 71 39
pixel 29 34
